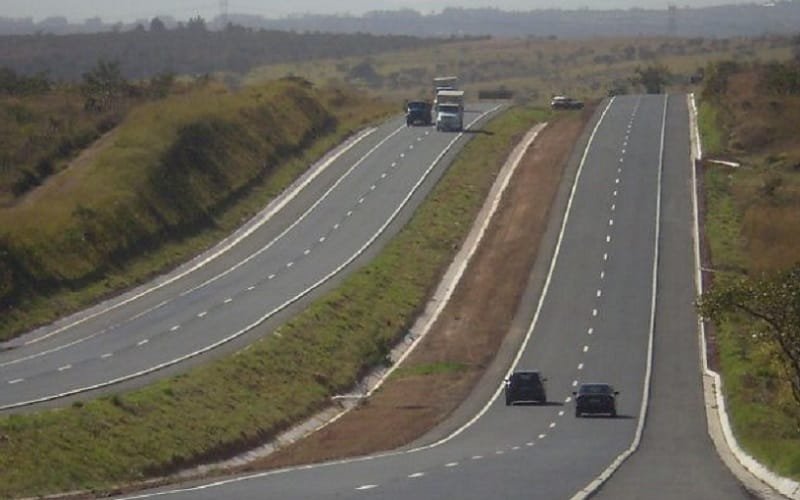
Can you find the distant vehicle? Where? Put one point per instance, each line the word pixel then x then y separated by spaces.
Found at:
pixel 418 113
pixel 450 110
pixel 525 387
pixel 595 399
pixel 564 102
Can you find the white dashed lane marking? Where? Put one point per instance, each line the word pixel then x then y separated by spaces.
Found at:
pixel 608 238
pixel 65 368
pixel 451 464
pixel 590 331
pixel 336 226
pixel 306 251
pixel 349 213
pixel 251 288
pixel 605 256
pixel 477 457
pixel 360 201
pixel 142 342
pixel 599 293
pixel 106 355
pixel 383 175
pixel 586 348
pixel 366 487
pixel 542 436
pixel 202 314
pixel 416 475
pixel 594 312
pixel 289 264
pixel 394 164
pixel 271 277
pixel 322 239
pixel 515 448
pixel 529 443
pixel 499 452
pixel 580 366
pixel 552 425
pixel 569 398
pixel 228 300
pixel 574 384
pixel 561 413
pixel 175 328
pixel 16 381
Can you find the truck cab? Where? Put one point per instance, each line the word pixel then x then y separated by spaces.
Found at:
pixel 450 110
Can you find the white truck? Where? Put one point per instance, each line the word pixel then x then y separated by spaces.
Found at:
pixel 450 110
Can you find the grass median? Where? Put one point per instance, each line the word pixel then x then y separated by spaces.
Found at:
pixel 232 404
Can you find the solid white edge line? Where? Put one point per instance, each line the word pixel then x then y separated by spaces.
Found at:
pixel 285 304
pixel 232 241
pixel 593 486
pixel 783 485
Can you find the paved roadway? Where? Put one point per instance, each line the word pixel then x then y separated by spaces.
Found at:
pixel 337 221
pixel 609 296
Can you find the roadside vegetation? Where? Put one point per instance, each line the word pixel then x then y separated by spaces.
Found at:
pixel 232 404
pixel 172 177
pixel 749 115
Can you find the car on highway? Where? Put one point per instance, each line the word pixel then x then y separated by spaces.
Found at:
pixel 564 102
pixel 418 113
pixel 525 386
pixel 595 399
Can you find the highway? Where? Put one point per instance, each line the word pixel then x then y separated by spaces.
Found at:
pixel 616 307
pixel 338 218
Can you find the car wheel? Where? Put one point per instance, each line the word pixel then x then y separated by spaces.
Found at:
pixel 577 414
pixel 509 401
pixel 614 413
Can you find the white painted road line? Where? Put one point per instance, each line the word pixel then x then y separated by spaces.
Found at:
pixel 271 277
pixel 366 487
pixel 580 366
pixel 16 381
pixel 477 457
pixel 416 475
pixel 175 328
pixel 65 368
pixel 228 300
pixel 202 314
pixel 542 436
pixel 590 331
pixel 289 264
pixel 586 348
pixel 451 464
pixel 142 342
pixel 306 251
pixel 106 355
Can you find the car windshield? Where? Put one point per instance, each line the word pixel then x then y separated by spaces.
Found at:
pixel 596 389
pixel 448 108
pixel 526 377
pixel 416 106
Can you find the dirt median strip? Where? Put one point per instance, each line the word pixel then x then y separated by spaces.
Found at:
pixel 448 363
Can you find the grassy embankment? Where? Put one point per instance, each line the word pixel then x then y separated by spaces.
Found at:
pixel 176 176
pixel 752 225
pixel 236 402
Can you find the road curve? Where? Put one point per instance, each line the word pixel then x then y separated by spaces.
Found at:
pixel 603 315
pixel 337 220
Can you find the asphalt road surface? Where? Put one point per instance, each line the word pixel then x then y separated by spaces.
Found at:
pixel 618 295
pixel 338 220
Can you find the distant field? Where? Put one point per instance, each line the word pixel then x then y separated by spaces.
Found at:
pixel 534 69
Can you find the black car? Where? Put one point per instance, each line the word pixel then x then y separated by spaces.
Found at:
pixel 525 387
pixel 418 113
pixel 595 399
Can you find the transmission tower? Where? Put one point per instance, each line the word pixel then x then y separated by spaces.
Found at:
pixel 223 12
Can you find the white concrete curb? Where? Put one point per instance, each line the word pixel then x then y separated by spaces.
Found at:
pixel 783 485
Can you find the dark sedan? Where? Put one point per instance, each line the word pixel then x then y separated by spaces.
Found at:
pixel 525 387
pixel 595 399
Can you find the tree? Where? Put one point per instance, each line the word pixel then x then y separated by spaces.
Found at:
pixel 652 78
pixel 157 25
pixel 774 302
pixel 103 85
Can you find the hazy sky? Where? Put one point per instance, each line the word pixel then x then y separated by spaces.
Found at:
pixel 116 10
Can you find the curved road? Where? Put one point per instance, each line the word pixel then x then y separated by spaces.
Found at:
pixel 617 296
pixel 340 217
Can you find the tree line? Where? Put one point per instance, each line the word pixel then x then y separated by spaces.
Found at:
pixel 190 48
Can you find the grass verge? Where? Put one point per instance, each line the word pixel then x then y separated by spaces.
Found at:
pixel 763 414
pixel 219 409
